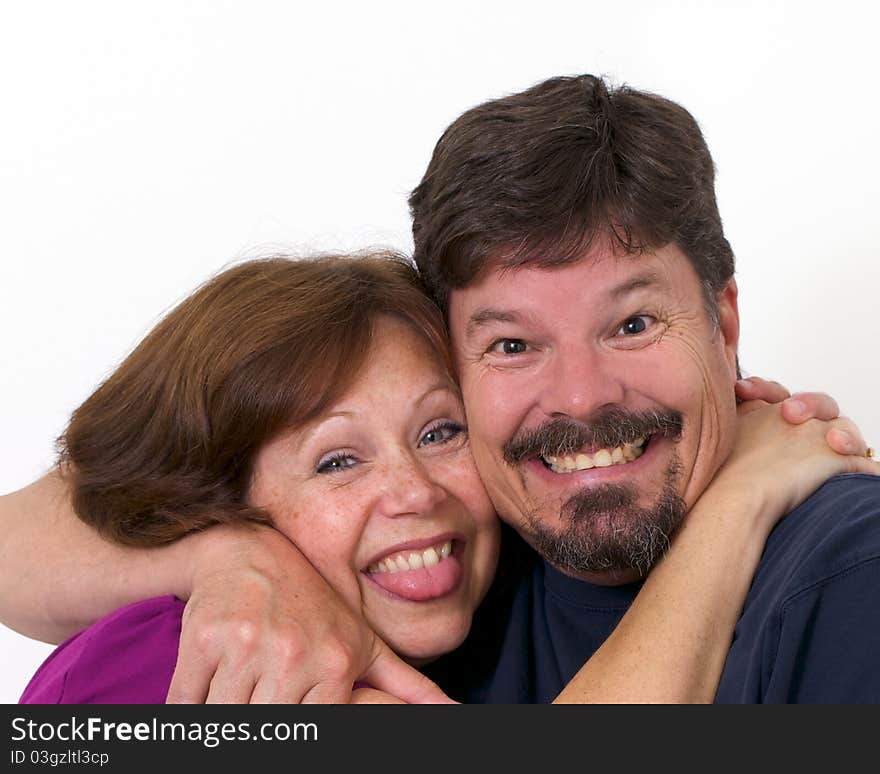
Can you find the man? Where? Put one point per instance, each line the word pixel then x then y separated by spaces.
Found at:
pixel 571 234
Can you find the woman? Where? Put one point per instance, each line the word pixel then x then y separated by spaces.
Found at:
pixel 319 396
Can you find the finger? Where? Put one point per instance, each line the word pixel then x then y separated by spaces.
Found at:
pixel 372 696
pixel 864 465
pixel 809 405
pixel 191 679
pixel 756 388
pixel 271 690
pixel 287 675
pixel 747 407
pixel 231 686
pixel 329 692
pixel 858 445
pixel 388 673
pixel 846 440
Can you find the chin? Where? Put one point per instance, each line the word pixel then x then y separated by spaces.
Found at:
pixel 423 643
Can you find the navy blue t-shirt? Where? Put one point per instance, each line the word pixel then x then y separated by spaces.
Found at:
pixel 809 632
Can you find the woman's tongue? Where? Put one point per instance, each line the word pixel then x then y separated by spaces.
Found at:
pixel 422 584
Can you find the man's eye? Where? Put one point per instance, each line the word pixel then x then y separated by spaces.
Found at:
pixel 336 463
pixel 635 325
pixel 509 346
pixel 441 434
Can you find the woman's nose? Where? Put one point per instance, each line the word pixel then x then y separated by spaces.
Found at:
pixel 409 489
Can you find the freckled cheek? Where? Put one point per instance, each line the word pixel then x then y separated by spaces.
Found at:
pixel 328 530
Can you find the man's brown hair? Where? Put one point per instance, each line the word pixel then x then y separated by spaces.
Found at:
pixel 165 445
pixel 535 177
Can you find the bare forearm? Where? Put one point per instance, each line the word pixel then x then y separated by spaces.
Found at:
pixel 59 575
pixel 671 645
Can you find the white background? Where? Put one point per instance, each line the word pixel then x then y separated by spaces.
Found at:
pixel 145 145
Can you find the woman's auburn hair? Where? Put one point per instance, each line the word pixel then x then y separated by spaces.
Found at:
pixel 165 446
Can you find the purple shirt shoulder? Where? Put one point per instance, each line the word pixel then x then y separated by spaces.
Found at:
pixel 127 657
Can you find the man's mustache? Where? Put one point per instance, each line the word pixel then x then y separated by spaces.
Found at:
pixel 606 430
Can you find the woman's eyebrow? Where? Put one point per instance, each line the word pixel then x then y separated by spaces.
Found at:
pixel 313 427
pixel 439 387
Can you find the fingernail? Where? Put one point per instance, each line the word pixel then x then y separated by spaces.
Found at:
pixel 797 406
pixel 743 383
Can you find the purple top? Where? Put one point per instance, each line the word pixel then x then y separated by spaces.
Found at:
pixel 127 657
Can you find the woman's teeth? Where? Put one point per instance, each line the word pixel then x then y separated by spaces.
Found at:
pixel 603 458
pixel 413 560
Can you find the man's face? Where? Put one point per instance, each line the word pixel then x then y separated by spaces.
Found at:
pixel 600 401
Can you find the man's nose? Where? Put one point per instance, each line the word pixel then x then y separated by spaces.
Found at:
pixel 408 489
pixel 581 380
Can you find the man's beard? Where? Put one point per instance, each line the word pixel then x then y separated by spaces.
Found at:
pixel 604 530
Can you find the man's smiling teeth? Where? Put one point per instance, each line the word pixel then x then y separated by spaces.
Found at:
pixel 602 458
pixel 413 560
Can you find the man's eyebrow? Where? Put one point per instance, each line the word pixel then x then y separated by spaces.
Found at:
pixel 488 315
pixel 638 282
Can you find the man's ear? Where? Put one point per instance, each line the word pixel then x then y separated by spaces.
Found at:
pixel 728 324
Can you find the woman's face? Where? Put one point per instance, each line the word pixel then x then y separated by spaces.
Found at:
pixel 381 495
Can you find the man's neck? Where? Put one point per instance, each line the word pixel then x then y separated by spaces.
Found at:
pixel 602 578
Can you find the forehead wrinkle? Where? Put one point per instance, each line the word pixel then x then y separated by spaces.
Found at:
pixel 646 279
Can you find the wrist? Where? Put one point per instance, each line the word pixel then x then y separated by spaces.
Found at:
pixel 741 503
pixel 245 547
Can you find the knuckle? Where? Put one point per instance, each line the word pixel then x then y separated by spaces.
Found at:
pixel 245 635
pixel 816 399
pixel 289 653
pixel 202 638
pixel 338 661
pixel 845 425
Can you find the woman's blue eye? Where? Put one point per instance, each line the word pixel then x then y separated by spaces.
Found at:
pixel 510 346
pixel 336 463
pixel 440 434
pixel 635 325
